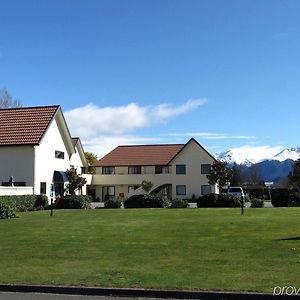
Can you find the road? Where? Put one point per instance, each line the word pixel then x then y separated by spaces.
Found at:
pixel 38 296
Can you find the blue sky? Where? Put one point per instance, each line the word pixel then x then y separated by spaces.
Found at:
pixel 131 72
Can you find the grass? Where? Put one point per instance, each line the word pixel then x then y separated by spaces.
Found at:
pixel 207 249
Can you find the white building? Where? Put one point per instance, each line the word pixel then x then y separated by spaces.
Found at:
pixel 36 149
pixel 176 170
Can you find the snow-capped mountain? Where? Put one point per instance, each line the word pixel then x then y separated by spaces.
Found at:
pixel 292 153
pixel 252 155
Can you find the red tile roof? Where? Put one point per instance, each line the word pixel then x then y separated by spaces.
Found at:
pixel 141 155
pixel 25 125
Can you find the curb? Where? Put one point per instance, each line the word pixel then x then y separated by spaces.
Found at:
pixel 127 292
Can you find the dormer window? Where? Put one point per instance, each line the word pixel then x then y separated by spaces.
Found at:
pixel 59 154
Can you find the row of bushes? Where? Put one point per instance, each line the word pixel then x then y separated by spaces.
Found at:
pixel 27 202
pixel 10 205
pixel 146 201
pixel 73 202
pixel 157 201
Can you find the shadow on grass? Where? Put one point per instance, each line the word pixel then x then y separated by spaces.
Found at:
pixel 291 239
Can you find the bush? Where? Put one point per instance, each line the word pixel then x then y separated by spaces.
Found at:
pixel 113 203
pixel 208 200
pixel 22 202
pixel 228 200
pixel 146 201
pixel 135 201
pixel 218 200
pixel 41 202
pixel 179 203
pixel 284 198
pixel 156 201
pixel 257 203
pixel 7 209
pixel 73 202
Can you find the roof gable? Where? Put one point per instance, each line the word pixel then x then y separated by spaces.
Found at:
pixel 140 155
pixel 201 147
pixel 25 126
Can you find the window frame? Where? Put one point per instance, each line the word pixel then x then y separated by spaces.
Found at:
pixel 108 170
pixel 137 170
pixel 205 186
pixel 204 170
pixel 181 172
pixel 59 154
pixel 179 186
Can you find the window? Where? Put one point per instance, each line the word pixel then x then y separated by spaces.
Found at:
pixel 43 188
pixel 162 169
pixel 132 188
pixel 135 170
pixel 205 168
pixel 108 170
pixel 180 190
pixel 108 192
pixel 180 169
pixel 59 154
pixel 205 189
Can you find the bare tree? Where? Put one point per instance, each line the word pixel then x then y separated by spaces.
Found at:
pixel 7 101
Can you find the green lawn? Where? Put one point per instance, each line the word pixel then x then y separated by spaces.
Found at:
pixel 207 249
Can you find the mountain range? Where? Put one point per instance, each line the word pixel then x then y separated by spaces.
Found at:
pixel 267 165
pixel 241 156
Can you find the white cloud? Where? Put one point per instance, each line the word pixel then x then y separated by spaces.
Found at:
pixel 104 144
pixel 103 128
pixel 213 136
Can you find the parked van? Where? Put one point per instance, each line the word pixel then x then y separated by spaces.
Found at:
pixel 236 191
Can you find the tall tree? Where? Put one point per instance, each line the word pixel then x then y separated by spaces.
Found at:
pixel 7 101
pixel 76 181
pixel 219 174
pixel 91 159
pixel 294 176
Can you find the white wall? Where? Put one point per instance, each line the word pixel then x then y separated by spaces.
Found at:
pixel 192 156
pixel 45 161
pixel 17 161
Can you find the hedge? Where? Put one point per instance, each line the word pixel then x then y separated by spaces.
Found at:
pixel 73 202
pixel 7 209
pixel 27 202
pixel 113 203
pixel 179 203
pixel 284 198
pixel 146 201
pixel 218 200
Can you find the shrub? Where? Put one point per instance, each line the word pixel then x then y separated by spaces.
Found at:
pixel 41 202
pixel 257 203
pixel 7 209
pixel 156 201
pixel 228 200
pixel 208 200
pixel 146 201
pixel 113 203
pixel 74 202
pixel 135 201
pixel 21 202
pixel 284 198
pixel 179 203
pixel 218 200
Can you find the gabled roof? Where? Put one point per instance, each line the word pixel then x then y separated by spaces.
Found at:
pixel 78 146
pixel 141 155
pixel 25 125
pixel 145 155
